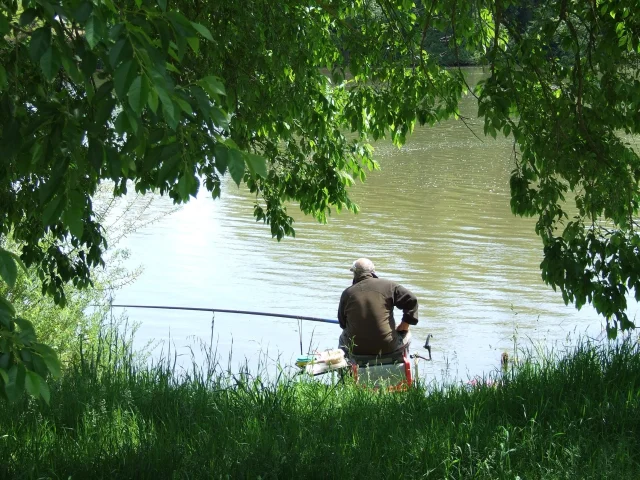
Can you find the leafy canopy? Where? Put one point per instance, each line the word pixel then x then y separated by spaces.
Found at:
pixel 168 96
pixel 563 83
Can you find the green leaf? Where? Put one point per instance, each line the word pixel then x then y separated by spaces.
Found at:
pixel 134 120
pixel 169 164
pixel 6 306
pixel 50 358
pixel 45 393
pixel 163 5
pixel 89 63
pixel 38 365
pixel 202 30
pixel 116 30
pixel 222 158
pixel 138 94
pixel 172 68
pixel 163 94
pixel 4 375
pixel 122 124
pixel 212 85
pixel 71 67
pixel 48 9
pixel 114 161
pixel 82 12
pixel 24 325
pixel 40 43
pixel 15 386
pixel 28 16
pixel 256 164
pixel 236 165
pixel 25 353
pixel 220 118
pixel 47 64
pixel 186 185
pixel 73 216
pixel 168 109
pixel 181 23
pixel 184 106
pixel 52 211
pixel 8 268
pixel 5 318
pixel 153 100
pixel 94 31
pixel 18 261
pixel 194 43
pixel 166 33
pixel 120 52
pixel 170 150
pixel 123 77
pixel 27 332
pixel 32 382
pixel 97 154
pixel 202 99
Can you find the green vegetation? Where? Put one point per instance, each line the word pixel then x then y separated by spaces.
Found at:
pixel 56 327
pixel 575 416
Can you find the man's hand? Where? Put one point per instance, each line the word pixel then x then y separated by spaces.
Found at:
pixel 403 327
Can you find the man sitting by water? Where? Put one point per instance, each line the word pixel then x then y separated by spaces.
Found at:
pixel 366 313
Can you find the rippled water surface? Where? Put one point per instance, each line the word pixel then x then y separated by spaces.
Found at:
pixel 436 218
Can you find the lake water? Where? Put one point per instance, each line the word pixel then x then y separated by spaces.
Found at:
pixel 436 218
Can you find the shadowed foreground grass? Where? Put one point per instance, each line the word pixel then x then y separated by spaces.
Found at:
pixel 576 416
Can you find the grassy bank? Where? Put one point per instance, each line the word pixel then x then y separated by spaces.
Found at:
pixel 572 417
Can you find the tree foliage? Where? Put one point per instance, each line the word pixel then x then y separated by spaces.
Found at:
pixel 24 362
pixel 563 83
pixel 566 86
pixel 88 93
pixel 286 96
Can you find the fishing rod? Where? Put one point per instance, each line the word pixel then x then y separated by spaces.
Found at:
pixel 222 310
pixel 249 312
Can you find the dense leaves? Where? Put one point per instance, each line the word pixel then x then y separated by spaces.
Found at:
pixel 89 93
pixel 302 76
pixel 567 88
pixel 24 362
pixel 563 83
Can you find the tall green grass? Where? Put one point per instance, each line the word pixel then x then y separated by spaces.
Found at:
pixel 575 415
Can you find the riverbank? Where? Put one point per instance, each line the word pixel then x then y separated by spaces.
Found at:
pixel 571 416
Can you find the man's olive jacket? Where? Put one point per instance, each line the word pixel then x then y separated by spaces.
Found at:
pixel 366 314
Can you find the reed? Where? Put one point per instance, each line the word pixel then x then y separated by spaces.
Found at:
pixel 560 415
